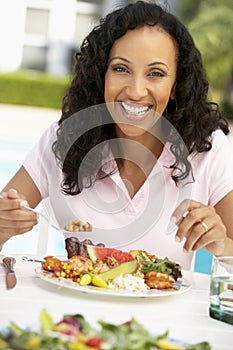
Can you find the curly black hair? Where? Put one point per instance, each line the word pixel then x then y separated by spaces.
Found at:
pixel 191 114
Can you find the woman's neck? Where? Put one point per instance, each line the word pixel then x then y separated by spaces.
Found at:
pixel 142 146
pixel 136 157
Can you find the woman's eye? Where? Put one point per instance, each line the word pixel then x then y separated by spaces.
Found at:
pixel 119 69
pixel 157 74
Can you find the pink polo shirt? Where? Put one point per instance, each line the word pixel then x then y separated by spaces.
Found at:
pixel 142 222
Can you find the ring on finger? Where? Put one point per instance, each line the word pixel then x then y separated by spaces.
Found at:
pixel 204 225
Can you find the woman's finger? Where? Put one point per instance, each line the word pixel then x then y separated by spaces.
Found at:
pixel 6 233
pixel 17 215
pixel 196 234
pixel 194 217
pixel 10 204
pixel 182 210
pixel 16 224
pixel 12 194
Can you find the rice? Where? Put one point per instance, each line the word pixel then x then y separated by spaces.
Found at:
pixel 129 283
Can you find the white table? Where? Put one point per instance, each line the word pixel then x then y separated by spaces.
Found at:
pixel 185 315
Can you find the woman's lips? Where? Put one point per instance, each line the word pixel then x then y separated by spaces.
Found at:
pixel 134 112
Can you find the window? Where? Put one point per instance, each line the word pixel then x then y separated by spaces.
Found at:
pixel 34 58
pixel 84 24
pixel 37 22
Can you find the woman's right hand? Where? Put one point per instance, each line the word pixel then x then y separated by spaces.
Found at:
pixel 14 220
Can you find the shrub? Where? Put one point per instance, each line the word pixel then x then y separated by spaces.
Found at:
pixel 227 109
pixel 32 89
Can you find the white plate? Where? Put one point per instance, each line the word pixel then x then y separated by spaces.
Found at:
pixel 180 287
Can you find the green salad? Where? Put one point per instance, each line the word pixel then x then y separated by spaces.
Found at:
pixel 73 332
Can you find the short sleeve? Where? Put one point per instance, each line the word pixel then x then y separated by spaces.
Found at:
pixel 221 168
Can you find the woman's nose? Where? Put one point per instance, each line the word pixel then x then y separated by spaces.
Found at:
pixel 136 87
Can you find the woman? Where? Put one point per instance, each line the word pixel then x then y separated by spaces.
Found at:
pixel 139 151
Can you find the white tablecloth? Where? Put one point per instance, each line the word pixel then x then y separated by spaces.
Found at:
pixel 185 315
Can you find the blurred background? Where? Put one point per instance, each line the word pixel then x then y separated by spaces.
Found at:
pixel 38 41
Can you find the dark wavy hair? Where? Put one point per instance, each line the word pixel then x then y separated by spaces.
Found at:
pixel 191 114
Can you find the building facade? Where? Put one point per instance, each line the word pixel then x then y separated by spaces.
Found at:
pixel 42 35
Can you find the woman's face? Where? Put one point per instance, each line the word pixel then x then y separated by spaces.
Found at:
pixel 139 80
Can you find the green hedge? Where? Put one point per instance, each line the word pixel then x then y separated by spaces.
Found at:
pixel 33 89
pixel 43 90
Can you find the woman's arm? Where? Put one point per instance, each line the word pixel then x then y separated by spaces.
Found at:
pixel 24 185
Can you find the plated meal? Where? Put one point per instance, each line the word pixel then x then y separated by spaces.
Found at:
pixel 74 332
pixel 78 226
pixel 97 269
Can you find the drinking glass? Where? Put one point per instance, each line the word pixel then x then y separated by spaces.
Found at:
pixel 221 289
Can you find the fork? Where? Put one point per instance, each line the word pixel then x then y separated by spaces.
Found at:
pixel 25 206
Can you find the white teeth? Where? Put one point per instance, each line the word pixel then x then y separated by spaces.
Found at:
pixel 134 110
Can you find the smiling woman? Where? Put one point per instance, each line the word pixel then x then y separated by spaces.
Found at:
pixel 138 145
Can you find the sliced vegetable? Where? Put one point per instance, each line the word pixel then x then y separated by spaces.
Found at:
pixel 126 267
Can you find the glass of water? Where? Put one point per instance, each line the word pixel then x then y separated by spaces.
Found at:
pixel 221 289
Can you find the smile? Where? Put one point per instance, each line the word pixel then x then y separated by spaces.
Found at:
pixel 135 110
pixel 135 113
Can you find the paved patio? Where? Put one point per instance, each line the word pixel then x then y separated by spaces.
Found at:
pixel 24 124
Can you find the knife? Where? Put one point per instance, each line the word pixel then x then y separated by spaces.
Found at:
pixel 10 274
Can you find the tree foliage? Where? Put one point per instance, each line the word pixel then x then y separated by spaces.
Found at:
pixel 211 24
pixel 212 31
pixel 188 10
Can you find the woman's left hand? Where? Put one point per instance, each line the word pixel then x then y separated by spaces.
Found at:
pixel 201 226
